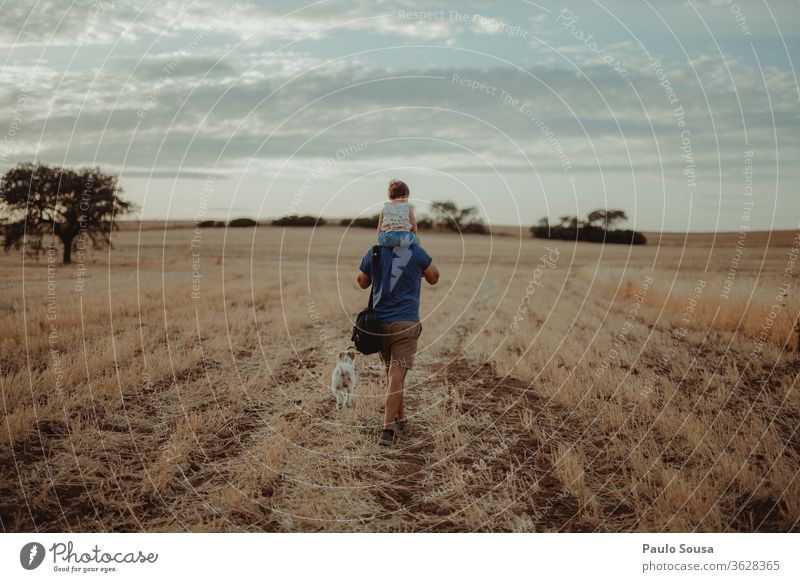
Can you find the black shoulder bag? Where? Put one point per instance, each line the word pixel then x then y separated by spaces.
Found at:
pixel 367 330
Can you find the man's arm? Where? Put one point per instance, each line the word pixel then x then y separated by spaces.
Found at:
pixel 364 280
pixel 431 274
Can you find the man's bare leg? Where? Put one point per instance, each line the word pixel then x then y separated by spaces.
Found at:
pixel 401 413
pixel 394 396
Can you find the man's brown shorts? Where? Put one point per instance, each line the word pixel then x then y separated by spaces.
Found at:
pixel 399 343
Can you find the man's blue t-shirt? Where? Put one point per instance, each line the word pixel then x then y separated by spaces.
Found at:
pixel 401 277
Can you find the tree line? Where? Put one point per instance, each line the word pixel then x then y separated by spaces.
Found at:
pixel 80 208
pixel 598 227
pixel 444 216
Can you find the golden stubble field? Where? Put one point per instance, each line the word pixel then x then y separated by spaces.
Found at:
pixel 559 387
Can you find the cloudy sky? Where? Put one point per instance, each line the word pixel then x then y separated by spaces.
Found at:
pixel 686 114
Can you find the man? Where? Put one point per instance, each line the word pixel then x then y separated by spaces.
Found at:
pixel 395 298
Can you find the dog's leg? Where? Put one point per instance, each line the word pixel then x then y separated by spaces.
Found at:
pixel 335 387
pixel 353 386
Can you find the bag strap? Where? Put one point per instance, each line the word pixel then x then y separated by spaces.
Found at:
pixel 376 256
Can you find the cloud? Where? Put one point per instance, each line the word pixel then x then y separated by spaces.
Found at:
pixel 196 119
pixel 176 65
pixel 80 22
pixel 269 88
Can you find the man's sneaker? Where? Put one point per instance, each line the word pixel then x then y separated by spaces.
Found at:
pixel 387 437
pixel 401 426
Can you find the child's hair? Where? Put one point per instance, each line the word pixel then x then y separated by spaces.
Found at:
pixel 397 189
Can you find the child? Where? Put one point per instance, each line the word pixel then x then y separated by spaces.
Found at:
pixel 397 225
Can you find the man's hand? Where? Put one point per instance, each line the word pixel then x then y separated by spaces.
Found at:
pixel 364 280
pixel 431 274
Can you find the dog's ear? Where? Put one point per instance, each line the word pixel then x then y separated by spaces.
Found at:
pixel 352 354
pixel 340 356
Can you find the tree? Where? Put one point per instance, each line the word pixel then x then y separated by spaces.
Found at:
pixel 294 220
pixel 449 216
pixel 596 228
pixel 606 219
pixel 424 222
pixel 37 200
pixel 444 213
pixel 361 222
pixel 542 229
pixel 570 222
pixel 242 222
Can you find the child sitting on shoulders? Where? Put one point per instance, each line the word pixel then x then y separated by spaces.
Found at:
pixel 397 225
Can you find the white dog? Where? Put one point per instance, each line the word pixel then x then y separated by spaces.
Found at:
pixel 344 378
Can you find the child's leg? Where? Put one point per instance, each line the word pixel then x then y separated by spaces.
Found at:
pixel 397 238
pixel 407 239
pixel 384 239
pixel 389 239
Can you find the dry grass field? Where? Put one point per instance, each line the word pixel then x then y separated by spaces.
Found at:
pixel 559 387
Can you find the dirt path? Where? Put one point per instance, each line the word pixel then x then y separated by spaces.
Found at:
pixel 467 446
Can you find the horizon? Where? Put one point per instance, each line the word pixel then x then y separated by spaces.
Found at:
pixel 267 220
